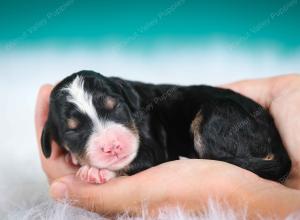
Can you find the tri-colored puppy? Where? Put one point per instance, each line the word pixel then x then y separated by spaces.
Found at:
pixel 111 126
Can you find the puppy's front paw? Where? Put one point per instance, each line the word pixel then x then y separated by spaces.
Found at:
pixel 94 175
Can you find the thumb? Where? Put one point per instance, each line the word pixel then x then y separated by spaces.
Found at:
pixel 117 195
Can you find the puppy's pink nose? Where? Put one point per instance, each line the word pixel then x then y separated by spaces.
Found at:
pixel 113 149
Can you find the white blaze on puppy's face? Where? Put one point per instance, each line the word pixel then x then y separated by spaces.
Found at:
pixel 111 145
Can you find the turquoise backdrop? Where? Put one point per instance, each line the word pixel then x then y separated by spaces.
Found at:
pixel 143 24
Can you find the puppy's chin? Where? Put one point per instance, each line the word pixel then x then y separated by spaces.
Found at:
pixel 115 165
pixel 122 162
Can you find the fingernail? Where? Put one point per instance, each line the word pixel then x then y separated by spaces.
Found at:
pixel 59 191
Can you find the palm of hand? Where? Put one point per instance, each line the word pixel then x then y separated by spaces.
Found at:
pixel 281 95
pixel 285 109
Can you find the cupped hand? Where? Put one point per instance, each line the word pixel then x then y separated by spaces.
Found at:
pixel 59 163
pixel 188 183
pixel 281 96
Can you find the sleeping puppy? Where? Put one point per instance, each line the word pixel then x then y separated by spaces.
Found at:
pixel 114 127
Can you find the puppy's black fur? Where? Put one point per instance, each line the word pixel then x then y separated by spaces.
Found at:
pixel 191 121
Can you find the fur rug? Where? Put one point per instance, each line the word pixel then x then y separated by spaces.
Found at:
pixel 42 209
pixel 53 210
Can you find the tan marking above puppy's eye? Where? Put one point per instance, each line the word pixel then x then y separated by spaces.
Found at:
pixel 110 103
pixel 72 123
pixel 196 131
pixel 269 157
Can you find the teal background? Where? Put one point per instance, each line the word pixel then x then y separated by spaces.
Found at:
pixel 93 23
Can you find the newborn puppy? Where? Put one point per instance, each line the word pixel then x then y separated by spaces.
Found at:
pixel 113 127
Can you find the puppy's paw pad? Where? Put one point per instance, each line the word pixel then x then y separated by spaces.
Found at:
pixel 82 173
pixel 94 175
pixel 106 175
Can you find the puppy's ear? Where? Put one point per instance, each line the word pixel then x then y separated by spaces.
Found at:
pixel 130 95
pixel 131 98
pixel 46 141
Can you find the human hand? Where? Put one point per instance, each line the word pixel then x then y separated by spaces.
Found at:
pixel 188 182
pixel 281 96
pixel 59 164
